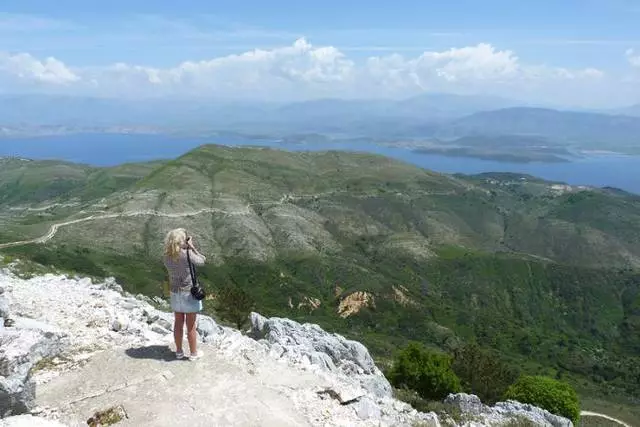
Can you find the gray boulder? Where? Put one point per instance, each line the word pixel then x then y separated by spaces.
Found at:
pixel 21 348
pixel 308 343
pixel 467 403
pixel 471 407
pixel 539 416
pixel 207 327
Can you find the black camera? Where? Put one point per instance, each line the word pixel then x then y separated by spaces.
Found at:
pixel 197 292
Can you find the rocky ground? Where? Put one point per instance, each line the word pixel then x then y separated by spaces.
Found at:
pixel 77 348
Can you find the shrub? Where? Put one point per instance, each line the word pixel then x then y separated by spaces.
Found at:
pixel 547 393
pixel 425 371
pixel 482 373
pixel 234 305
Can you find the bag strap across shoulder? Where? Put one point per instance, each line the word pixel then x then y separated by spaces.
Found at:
pixel 192 270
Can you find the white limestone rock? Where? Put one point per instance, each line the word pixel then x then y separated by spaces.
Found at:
pixel 503 412
pixel 21 348
pixel 309 344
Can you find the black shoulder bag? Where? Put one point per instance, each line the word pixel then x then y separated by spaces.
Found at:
pixel 196 290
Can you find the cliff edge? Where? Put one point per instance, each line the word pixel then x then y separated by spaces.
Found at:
pixel 82 353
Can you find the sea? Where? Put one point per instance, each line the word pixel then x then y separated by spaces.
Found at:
pixel 594 169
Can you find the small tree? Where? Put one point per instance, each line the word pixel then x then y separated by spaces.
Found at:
pixel 547 393
pixel 482 373
pixel 234 304
pixel 425 371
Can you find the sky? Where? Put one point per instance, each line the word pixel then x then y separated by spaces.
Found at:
pixel 580 53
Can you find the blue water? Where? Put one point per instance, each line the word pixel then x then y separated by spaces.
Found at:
pixel 105 150
pixel 98 149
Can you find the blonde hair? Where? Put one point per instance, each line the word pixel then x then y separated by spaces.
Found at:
pixel 174 241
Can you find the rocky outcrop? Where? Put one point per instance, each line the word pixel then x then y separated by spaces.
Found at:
pixel 333 382
pixel 354 302
pixel 22 346
pixel 21 349
pixel 4 309
pixel 501 413
pixel 400 296
pixel 67 328
pixel 309 344
pixel 95 346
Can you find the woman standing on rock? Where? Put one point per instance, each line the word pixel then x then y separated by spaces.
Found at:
pixel 178 250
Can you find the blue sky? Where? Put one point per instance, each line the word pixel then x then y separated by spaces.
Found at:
pixel 565 52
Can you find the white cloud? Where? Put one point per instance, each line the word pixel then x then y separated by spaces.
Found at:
pixel 633 58
pixel 299 67
pixel 302 70
pixel 26 68
pixel 435 70
pixel 476 69
pixel 481 62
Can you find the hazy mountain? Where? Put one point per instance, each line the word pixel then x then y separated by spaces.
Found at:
pixel 440 116
pixel 563 126
pixel 69 110
pixel 433 106
pixel 448 106
pixel 633 110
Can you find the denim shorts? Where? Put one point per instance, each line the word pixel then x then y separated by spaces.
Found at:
pixel 184 302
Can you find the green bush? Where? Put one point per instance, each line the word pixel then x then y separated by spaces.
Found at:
pixel 425 371
pixel 234 305
pixel 555 396
pixel 482 373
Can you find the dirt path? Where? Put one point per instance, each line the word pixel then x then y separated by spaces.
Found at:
pixel 157 390
pixel 597 414
pixel 285 199
pixel 55 227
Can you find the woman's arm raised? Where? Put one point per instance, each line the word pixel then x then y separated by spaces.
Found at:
pixel 197 258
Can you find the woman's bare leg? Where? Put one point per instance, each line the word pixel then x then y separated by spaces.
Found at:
pixel 192 333
pixel 178 330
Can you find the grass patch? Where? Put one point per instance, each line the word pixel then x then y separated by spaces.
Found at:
pixel 108 417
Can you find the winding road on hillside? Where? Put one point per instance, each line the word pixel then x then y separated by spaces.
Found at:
pixel 55 227
pixel 284 199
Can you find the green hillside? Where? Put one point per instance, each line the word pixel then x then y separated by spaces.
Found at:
pixel 32 181
pixel 546 275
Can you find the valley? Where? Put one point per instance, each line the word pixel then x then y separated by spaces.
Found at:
pixel 544 275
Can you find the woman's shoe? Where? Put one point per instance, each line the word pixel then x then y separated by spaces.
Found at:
pixel 197 355
pixel 179 355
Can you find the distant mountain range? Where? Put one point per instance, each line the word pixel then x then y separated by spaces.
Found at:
pixel 82 111
pixel 439 116
pixel 563 126
pixel 633 110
